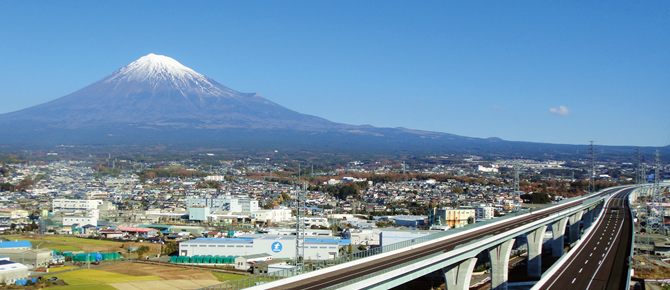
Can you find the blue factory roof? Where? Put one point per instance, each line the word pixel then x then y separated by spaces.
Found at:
pixel 339 241
pixel 16 244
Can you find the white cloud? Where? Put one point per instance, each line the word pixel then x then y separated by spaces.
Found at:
pixel 562 110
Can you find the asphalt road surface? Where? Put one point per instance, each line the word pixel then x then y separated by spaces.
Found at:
pixel 601 261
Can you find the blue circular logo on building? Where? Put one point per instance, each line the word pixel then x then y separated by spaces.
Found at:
pixel 276 247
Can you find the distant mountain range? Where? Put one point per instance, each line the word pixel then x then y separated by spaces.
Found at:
pixel 157 100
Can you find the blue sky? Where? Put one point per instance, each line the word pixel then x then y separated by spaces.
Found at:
pixel 543 71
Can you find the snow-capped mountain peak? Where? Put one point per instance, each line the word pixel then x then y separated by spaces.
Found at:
pixel 159 70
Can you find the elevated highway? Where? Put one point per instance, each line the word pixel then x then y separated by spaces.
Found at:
pixel 453 252
pixel 601 259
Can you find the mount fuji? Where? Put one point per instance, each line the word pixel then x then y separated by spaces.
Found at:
pixel 157 91
pixel 157 100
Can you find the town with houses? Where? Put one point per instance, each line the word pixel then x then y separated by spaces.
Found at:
pixel 245 215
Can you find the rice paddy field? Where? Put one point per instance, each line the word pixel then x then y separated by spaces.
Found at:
pixel 138 275
pixel 95 278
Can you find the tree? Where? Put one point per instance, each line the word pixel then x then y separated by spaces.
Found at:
pixel 457 190
pixel 270 205
pixel 285 197
pixel 142 250
pixel 471 220
pixel 7 187
pixel 536 198
pixel 170 248
pixel 229 178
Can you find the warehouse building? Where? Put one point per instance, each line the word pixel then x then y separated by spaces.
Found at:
pixel 224 204
pixel 10 272
pixel 33 258
pixel 275 245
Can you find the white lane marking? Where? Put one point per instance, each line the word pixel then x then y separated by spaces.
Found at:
pixel 598 243
pixel 580 270
pixel 606 253
pixel 594 248
pixel 590 254
pixel 586 261
pixel 597 224
pixel 573 281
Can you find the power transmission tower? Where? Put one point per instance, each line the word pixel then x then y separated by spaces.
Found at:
pixel 592 153
pixel 641 168
pixel 655 220
pixel 300 205
pixel 637 163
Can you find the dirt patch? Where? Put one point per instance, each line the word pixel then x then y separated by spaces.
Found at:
pixel 165 284
pixel 165 272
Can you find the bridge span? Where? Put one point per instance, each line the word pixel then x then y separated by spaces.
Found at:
pixel 455 252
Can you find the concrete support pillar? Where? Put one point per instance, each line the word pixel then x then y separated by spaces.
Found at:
pixel 535 239
pixel 574 226
pixel 457 276
pixel 588 218
pixel 558 230
pixel 500 264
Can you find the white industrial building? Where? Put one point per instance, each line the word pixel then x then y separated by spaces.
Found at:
pixel 75 204
pixel 493 168
pixel 80 220
pixel 10 272
pixel 291 232
pixel 216 178
pixel 316 221
pixel 224 204
pixel 272 215
pixel 275 245
pixel 367 237
pixel 482 212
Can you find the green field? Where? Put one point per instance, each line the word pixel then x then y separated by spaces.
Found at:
pixel 67 243
pixel 96 278
pixel 223 277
